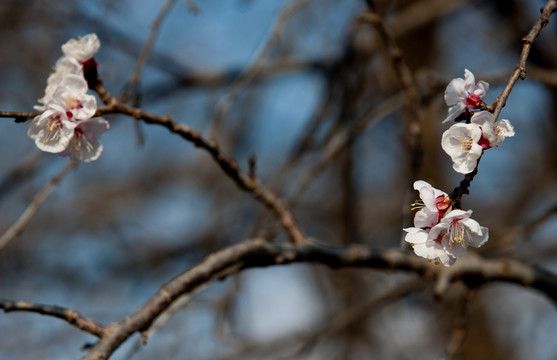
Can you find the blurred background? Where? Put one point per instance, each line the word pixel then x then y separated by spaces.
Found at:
pixel 310 90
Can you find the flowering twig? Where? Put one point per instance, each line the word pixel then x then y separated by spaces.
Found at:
pixel 520 70
pixel 70 316
pixel 260 253
pixel 226 163
pixel 462 188
pixel 39 198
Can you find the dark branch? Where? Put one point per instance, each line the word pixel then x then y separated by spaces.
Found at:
pixel 70 316
pixel 259 253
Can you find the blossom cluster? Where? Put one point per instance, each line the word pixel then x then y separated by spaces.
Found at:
pixel 67 125
pixel 442 232
pixel 466 142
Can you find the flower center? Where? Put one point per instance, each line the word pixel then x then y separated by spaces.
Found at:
pixel 465 143
pixel 54 123
pixel 74 103
pixel 79 140
pixel 456 234
pixel 473 101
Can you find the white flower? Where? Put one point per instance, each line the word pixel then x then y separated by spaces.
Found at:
pixel 71 94
pixel 433 205
pixel 456 231
pixel 462 94
pixel 493 133
pixel 427 247
pixel 64 66
pixel 82 49
pixel 83 145
pixel 460 142
pixel 52 130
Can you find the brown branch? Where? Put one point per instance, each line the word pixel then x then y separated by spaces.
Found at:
pixel 33 207
pixel 260 253
pixel 18 116
pixel 463 187
pixel 70 316
pixel 520 70
pixel 226 163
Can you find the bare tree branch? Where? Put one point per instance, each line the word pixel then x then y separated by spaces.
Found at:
pixel 520 70
pixel 260 253
pixel 39 198
pixel 70 316
pixel 226 163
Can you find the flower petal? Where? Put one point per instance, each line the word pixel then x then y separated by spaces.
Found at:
pixel 415 235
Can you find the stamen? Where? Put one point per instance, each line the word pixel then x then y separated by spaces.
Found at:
pixel 418 204
pixel 465 143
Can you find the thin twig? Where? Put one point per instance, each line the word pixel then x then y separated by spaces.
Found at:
pixel 338 143
pixel 256 64
pixel 520 70
pixel 133 80
pixel 39 198
pixel 19 116
pixel 225 162
pixel 70 316
pixel 23 170
pixel 412 108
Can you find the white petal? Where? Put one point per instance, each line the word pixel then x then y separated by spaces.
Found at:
pixel 482 117
pixel 415 235
pixel 469 81
pixel 428 250
pixel 438 230
pixel 452 248
pixel 456 214
pixel 505 128
pixel 427 194
pixel 471 225
pixel 455 92
pixel 481 89
pixel 455 110
pixel 94 127
pixel 446 259
pixel 83 48
pixel 477 240
pixel 74 84
pixel 426 218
